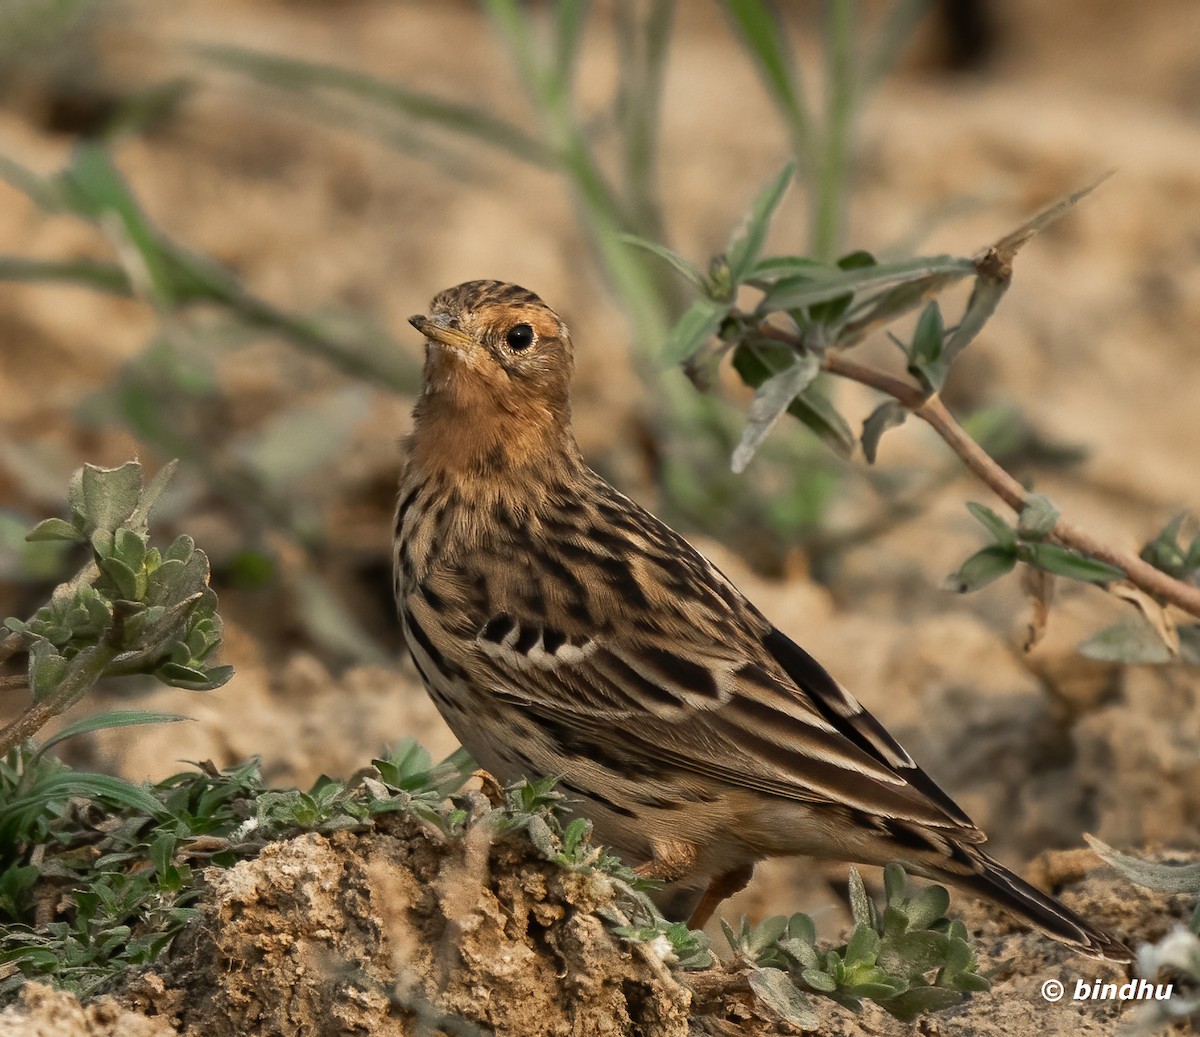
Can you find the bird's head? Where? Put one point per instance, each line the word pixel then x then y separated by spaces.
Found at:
pixel 496 338
pixel 498 365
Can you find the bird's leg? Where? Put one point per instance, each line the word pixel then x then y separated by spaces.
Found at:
pixel 724 885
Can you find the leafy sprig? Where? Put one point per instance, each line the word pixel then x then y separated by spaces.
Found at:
pixel 810 314
pixel 908 957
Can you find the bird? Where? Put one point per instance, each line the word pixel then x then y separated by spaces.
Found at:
pixel 562 630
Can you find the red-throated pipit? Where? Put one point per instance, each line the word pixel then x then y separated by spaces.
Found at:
pixel 563 630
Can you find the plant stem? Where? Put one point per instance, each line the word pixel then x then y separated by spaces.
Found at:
pixel 830 186
pixel 85 670
pixel 931 409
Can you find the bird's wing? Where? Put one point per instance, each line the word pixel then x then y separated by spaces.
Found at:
pixel 640 650
pixel 635 707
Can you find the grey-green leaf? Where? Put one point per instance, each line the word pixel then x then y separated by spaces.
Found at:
pixel 888 414
pixel 790 293
pixel 779 993
pixel 106 497
pixel 860 904
pixel 687 269
pixel 1001 531
pixel 927 906
pixel 55 529
pixel 770 402
pixel 747 242
pixel 1168 878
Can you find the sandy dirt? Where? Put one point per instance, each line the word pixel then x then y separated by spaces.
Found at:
pixel 1095 343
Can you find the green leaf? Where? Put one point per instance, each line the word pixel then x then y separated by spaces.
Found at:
pixel 925 358
pixel 55 529
pixel 766 271
pixel 772 399
pixel 747 242
pixel 985 297
pixel 879 310
pixel 698 324
pixel 818 980
pixel 97 191
pixel 790 293
pixel 179 676
pixel 124 579
pixel 831 312
pixel 863 946
pixel 83 785
pixel 1001 531
pixel 889 414
pixel 763 37
pixel 105 721
pixel 802 927
pixel 1038 517
pixel 1064 562
pixel 330 623
pixel 875 990
pixel 895 882
pixel 765 934
pixel 46 669
pixel 775 990
pixel 681 265
pixel 569 23
pixel 918 1001
pixel 982 568
pixel 815 410
pixel 130 548
pixel 309 77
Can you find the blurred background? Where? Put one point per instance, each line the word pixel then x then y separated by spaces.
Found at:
pixel 215 218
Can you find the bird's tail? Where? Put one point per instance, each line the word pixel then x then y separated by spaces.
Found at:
pixel 992 881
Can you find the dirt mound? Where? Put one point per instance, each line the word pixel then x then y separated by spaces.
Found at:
pixel 402 930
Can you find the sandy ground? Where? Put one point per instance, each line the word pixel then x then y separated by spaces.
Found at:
pixel 1095 343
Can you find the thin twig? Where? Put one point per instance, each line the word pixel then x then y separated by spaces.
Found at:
pixel 931 409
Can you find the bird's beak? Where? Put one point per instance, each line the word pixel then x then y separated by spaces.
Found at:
pixel 437 328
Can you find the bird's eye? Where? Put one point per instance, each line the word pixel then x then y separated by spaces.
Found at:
pixel 520 336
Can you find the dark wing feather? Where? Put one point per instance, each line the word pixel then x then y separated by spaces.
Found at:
pixel 848 716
